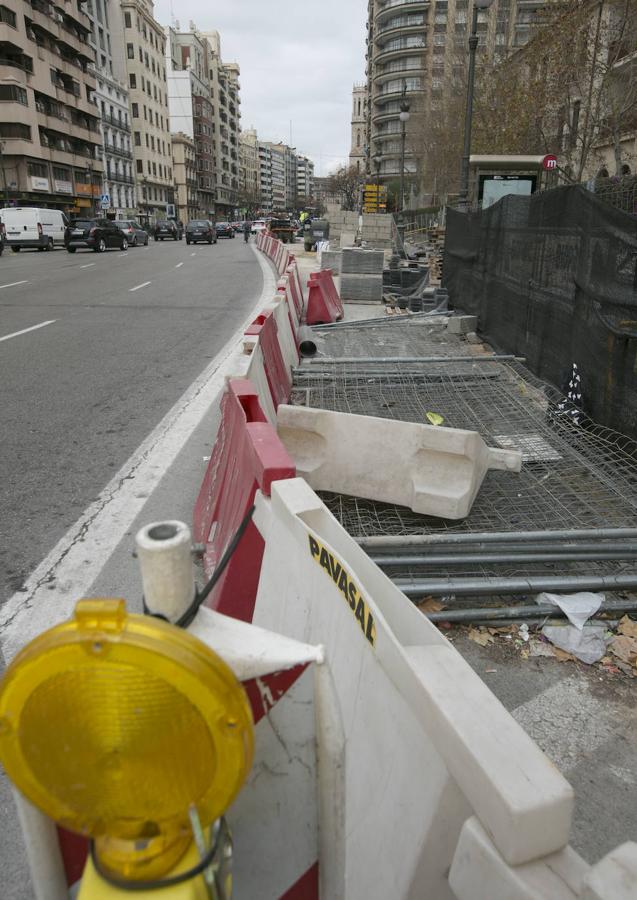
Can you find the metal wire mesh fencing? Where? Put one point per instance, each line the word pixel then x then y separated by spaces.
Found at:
pixel 573 476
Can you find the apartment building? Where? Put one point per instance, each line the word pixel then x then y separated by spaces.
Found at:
pixel 139 51
pixel 111 96
pixel 249 167
pixel 225 91
pixel 49 122
pixel 304 178
pixel 187 197
pixel 273 168
pixel 188 62
pixel 358 152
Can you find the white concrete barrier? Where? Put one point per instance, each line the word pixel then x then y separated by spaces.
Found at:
pixel 284 287
pixel 285 334
pixel 425 745
pixel 435 471
pixel 255 371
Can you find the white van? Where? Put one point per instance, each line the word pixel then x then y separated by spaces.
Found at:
pixel 27 226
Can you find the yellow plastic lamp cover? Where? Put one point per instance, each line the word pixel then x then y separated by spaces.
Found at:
pixel 114 724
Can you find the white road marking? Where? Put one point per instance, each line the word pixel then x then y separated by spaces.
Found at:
pixel 143 284
pixel 69 570
pixel 8 337
pixel 87 266
pixel 122 254
pixel 193 254
pixel 13 284
pixel 179 265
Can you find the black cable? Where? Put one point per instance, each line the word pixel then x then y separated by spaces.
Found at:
pixel 189 615
pixel 125 885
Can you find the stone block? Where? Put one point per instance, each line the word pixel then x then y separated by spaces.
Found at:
pixel 462 324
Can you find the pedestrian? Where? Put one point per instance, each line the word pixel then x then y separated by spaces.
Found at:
pixel 247 227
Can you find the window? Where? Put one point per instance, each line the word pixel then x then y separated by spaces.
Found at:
pixel 12 92
pixel 152 142
pixel 145 116
pixel 135 110
pixel 140 167
pixel 15 130
pixel 130 51
pixel 8 16
pixel 127 20
pixel 157 119
pixel 38 170
pixel 147 141
pixel 146 63
pixel 138 139
pixel 154 168
pixel 132 80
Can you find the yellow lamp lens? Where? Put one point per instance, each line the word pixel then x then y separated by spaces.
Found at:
pixel 115 724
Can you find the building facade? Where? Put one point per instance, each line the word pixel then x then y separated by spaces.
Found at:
pixel 49 120
pixel 225 94
pixel 139 51
pixel 111 96
pixel 187 198
pixel 358 152
pixel 273 166
pixel 249 181
pixel 304 179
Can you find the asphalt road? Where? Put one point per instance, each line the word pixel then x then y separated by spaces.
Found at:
pixel 109 342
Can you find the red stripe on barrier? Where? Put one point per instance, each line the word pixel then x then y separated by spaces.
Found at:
pixel 247 456
pixel 306 888
pixel 297 297
pixel 265 692
pixel 276 371
pixel 74 850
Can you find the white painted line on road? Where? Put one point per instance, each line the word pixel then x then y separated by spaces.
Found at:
pixel 139 286
pixel 122 254
pixel 179 265
pixel 13 284
pixel 67 573
pixel 193 254
pixel 87 266
pixel 8 337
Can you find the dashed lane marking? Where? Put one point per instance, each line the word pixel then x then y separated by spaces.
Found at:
pixel 8 337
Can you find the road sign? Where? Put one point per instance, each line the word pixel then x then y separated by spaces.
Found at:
pixel 170 210
pixel 105 201
pixel 549 162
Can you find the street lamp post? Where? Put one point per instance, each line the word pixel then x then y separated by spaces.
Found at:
pixel 463 199
pixel 404 118
pixel 378 160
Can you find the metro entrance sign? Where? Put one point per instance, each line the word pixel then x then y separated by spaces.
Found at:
pixel 549 162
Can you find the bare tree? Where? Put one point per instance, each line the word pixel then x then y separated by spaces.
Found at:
pixel 345 183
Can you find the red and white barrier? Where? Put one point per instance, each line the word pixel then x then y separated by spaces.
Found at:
pixel 323 303
pixel 247 455
pixel 278 373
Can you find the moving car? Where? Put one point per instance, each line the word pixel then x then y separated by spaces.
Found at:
pixel 258 226
pixel 224 229
pixel 166 230
pixel 134 232
pixel 200 230
pixel 95 234
pixel 29 226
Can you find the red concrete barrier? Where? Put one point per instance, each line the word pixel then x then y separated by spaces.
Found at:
pixel 278 374
pixel 295 288
pixel 247 456
pixel 323 303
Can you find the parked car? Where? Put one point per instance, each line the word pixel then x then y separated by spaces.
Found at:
pixel 95 234
pixel 200 230
pixel 30 226
pixel 237 227
pixel 258 226
pixel 3 237
pixel 179 226
pixel 134 232
pixel 166 230
pixel 224 229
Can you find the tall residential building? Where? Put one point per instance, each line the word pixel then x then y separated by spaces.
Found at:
pixel 249 167
pixel 186 178
pixel 49 122
pixel 358 151
pixel 188 62
pixel 272 172
pixel 139 49
pixel 111 95
pixel 225 93
pixel 304 178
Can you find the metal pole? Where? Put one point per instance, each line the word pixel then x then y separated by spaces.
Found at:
pixel 377 188
pixel 482 558
pixel 463 200
pixel 495 537
pixel 537 612
pixel 403 135
pixel 532 585
pixel 393 360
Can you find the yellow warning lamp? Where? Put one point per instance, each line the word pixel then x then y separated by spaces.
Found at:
pixel 118 727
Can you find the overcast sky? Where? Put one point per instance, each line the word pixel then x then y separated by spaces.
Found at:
pixel 298 61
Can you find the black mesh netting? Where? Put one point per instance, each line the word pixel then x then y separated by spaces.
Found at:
pixel 553 278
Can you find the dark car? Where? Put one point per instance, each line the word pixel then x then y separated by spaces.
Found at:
pixel 200 230
pixel 224 229
pixel 166 230
pixel 134 232
pixel 94 234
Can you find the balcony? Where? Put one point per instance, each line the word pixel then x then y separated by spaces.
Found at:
pixel 117 151
pixel 399 28
pixel 396 48
pixel 395 7
pixel 117 123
